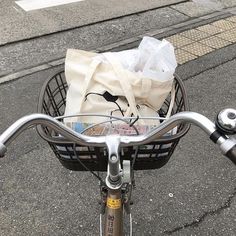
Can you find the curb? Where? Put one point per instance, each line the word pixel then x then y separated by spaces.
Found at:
pixel 128 43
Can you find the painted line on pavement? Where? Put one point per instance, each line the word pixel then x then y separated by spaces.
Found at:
pixel 29 5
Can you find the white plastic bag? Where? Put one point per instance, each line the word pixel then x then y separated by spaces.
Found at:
pixel 157 59
pixel 153 59
pixel 128 58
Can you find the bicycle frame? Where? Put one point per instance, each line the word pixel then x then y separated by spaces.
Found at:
pixel 114 204
pixel 114 213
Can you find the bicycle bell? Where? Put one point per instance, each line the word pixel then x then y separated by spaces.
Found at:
pixel 226 121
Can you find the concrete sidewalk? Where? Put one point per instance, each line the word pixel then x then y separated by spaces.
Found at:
pixel 191 39
pixel 17 24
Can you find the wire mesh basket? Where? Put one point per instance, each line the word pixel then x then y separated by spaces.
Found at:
pixel 52 101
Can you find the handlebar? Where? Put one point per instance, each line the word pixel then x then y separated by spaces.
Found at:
pixel 231 154
pixel 227 145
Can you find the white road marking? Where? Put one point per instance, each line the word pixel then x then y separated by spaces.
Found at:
pixel 29 5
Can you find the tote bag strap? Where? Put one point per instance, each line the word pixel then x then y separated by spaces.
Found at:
pixel 172 101
pixel 125 85
pixel 88 77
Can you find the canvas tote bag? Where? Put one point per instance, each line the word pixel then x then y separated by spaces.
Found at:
pixel 105 87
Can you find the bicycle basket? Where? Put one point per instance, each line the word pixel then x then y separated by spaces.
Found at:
pixel 52 101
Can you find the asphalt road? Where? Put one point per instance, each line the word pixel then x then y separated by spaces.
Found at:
pixel 40 197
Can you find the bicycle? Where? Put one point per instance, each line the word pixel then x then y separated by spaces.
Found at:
pixel 117 188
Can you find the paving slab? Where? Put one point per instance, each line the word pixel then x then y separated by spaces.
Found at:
pixel 228 3
pixel 193 9
pixel 197 8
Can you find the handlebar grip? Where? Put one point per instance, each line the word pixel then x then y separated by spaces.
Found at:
pixel 231 154
pixel 3 150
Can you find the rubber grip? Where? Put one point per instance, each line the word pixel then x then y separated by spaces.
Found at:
pixel 231 154
pixel 3 150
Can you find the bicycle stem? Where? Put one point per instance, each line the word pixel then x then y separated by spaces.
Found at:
pixel 114 206
pixel 114 179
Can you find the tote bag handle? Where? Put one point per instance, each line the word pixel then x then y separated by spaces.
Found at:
pixel 125 85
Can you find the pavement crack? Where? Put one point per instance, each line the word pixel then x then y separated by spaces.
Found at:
pixel 208 69
pixel 182 13
pixel 199 220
